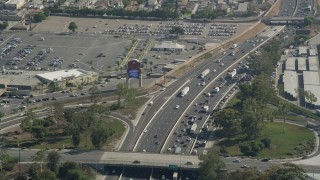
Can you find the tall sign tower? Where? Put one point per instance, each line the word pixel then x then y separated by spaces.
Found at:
pixel 134 71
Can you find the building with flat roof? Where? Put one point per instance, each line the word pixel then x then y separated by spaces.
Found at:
pixel 22 83
pixel 168 46
pixel 290 80
pixel 242 8
pixel 291 63
pixel 69 77
pixel 311 82
pixel 313 52
pixel 303 50
pixel 302 63
pixel 14 4
pixel 313 63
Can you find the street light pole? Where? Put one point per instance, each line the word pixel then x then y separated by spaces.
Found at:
pixel 19 158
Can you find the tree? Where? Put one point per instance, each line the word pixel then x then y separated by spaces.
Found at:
pixel 177 30
pixel 39 17
pixel 94 93
pixel 251 173
pixel 288 171
pixel 76 137
pixel 26 123
pixel 283 110
pixel 310 97
pixel 41 157
pixel 58 110
pixel 229 120
pixel 72 27
pixel 65 167
pixel 53 160
pixel 308 20
pixel 77 174
pixel 99 136
pixel 251 125
pixel 3 25
pixel 48 175
pixel 124 92
pixel 7 161
pixel 210 166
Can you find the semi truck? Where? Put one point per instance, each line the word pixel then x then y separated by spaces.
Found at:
pixel 184 91
pixel 232 73
pixel 204 73
pixel 193 128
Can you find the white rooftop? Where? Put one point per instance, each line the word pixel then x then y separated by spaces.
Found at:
pixel 313 63
pixel 303 50
pixel 291 63
pixel 314 89
pixel 312 52
pixel 168 45
pixel 62 74
pixel 311 78
pixel 290 79
pixel 302 66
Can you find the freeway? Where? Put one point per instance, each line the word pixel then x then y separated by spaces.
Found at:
pixel 182 138
pixel 287 8
pixel 167 115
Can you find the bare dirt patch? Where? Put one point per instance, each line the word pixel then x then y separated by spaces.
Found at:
pixel 275 9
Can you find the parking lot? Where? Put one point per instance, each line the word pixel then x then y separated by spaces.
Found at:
pixel 53 52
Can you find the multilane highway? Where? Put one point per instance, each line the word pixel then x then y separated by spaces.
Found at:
pixel 166 116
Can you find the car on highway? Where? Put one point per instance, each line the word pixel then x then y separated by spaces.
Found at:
pixel 190 163
pixel 177 107
pixel 145 131
pixel 136 162
pixel 236 161
pixel 244 166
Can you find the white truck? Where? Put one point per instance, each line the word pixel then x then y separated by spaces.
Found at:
pixel 175 176
pixel 184 91
pixel 216 89
pixel 234 46
pixel 205 108
pixel 193 128
pixel 232 73
pixel 204 73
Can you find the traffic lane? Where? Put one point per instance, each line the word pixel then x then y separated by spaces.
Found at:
pixel 286 7
pixel 191 73
pixel 245 47
pixel 17 119
pixel 183 128
pixel 131 173
pixel 229 60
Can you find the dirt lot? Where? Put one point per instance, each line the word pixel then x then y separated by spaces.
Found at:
pixel 275 9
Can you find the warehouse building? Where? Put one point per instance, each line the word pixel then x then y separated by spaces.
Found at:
pixel 313 63
pixel 291 64
pixel 302 64
pixel 14 4
pixel 290 89
pixel 311 82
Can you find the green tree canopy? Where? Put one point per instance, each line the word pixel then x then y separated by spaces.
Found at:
pixel 72 26
pixel 210 166
pixel 39 17
pixel 53 161
pixel 229 120
pixel 99 136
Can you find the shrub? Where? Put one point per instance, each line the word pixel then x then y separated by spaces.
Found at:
pixel 266 142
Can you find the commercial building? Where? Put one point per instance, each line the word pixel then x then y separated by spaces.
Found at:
pixel 313 63
pixel 14 4
pixel 302 64
pixel 291 63
pixel 242 8
pixel 69 77
pixel 311 82
pixel 303 50
pixel 291 88
pixel 22 83
pixel 168 46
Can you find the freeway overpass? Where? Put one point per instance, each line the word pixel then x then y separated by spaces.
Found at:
pixel 123 159
pixel 281 20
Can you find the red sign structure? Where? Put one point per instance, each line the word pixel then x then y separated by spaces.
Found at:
pixel 134 69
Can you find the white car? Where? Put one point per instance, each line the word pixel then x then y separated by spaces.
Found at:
pixel 214 70
pixel 145 130
pixel 150 103
pixel 162 89
pixel 177 107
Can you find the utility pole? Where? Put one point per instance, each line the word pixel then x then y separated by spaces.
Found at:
pixel 19 158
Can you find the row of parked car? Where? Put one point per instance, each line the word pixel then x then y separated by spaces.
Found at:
pixel 222 30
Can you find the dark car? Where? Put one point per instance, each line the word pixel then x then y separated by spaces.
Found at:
pixel 82 94
pixel 38 100
pixel 53 98
pixel 265 160
pixel 136 162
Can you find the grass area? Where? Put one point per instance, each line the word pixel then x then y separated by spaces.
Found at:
pixel 283 145
pixel 131 108
pixel 56 141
